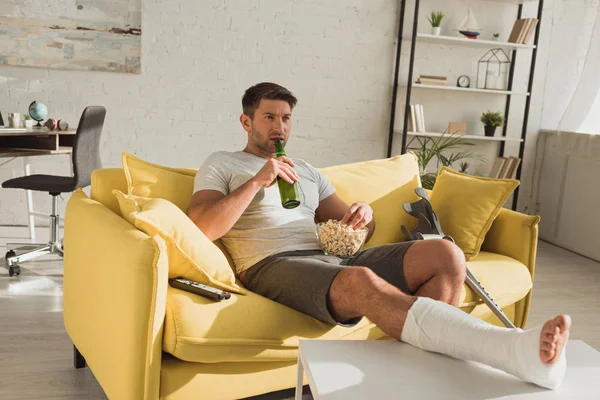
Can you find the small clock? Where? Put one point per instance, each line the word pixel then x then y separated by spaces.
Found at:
pixel 463 81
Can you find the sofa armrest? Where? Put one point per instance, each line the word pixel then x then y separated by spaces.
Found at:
pixel 115 285
pixel 515 235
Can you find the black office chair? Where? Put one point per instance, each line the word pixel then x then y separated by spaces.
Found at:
pixel 86 158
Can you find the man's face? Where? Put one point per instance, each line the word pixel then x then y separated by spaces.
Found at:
pixel 272 120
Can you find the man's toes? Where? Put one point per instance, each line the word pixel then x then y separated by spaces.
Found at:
pixel 546 356
pixel 549 337
pixel 549 331
pixel 547 346
pixel 563 322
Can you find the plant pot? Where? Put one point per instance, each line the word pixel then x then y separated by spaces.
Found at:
pixel 435 30
pixel 489 130
pixel 28 123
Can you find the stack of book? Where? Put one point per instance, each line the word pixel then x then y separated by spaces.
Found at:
pixel 505 168
pixel 417 118
pixel 432 80
pixel 522 30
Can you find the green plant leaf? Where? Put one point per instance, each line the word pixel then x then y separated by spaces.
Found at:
pixel 435 18
pixel 441 148
pixel 490 118
pixel 428 181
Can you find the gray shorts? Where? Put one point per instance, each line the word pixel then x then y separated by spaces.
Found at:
pixel 301 279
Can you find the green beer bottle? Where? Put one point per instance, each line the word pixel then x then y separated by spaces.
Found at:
pixel 287 191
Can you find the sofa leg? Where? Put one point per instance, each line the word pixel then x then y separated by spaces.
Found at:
pixel 78 359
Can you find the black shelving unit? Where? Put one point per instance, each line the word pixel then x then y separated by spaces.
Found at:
pixel 413 40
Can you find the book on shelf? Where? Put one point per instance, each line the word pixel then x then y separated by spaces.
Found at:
pixel 522 30
pixel 505 167
pixel 511 171
pixel 530 30
pixel 417 118
pixel 432 80
pixel 498 164
pixel 413 118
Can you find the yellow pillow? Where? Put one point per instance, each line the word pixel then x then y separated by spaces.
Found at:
pixel 145 179
pixel 191 254
pixel 385 184
pixel 467 205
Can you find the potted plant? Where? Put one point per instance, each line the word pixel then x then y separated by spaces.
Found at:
pixel 435 19
pixel 28 121
pixel 446 151
pixel 491 120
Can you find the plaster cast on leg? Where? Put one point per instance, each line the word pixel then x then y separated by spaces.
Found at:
pixel 439 327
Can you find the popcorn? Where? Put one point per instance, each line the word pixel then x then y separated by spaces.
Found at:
pixel 339 239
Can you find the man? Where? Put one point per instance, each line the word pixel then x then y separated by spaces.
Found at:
pixel 410 290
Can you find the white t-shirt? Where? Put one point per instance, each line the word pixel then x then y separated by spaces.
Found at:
pixel 265 227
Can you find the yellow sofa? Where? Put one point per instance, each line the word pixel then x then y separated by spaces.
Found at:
pixel 143 339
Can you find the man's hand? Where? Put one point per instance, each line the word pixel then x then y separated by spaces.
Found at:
pixel 274 167
pixel 358 215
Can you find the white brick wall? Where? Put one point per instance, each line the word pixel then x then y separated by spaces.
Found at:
pixel 198 58
pixel 336 56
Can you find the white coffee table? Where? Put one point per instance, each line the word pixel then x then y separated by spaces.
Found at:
pixel 387 369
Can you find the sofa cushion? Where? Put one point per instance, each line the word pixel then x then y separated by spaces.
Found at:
pixel 244 328
pixel 467 205
pixel 146 179
pixel 254 328
pixel 385 184
pixel 191 254
pixel 103 181
pixel 505 279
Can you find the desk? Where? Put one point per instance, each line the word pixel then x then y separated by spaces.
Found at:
pixel 34 142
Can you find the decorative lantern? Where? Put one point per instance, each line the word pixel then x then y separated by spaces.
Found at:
pixel 492 70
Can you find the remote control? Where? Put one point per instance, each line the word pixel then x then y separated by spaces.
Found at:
pixel 200 289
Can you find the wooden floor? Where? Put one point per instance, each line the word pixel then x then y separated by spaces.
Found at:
pixel 36 354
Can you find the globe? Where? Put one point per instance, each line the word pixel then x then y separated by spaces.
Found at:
pixel 38 112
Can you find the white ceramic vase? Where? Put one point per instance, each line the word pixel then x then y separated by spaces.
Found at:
pixel 435 30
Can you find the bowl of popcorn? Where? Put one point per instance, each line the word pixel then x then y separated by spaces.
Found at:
pixel 339 239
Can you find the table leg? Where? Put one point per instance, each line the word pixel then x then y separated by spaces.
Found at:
pixel 29 194
pixel 300 378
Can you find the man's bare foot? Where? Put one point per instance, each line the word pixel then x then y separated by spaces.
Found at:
pixel 555 333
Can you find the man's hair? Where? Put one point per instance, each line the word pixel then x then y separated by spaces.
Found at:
pixel 268 91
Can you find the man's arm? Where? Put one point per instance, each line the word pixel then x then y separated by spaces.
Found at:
pixel 215 214
pixel 358 215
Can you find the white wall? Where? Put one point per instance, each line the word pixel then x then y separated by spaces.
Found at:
pixel 197 60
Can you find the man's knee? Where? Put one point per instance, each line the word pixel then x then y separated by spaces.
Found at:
pixel 352 285
pixel 451 259
pixel 354 280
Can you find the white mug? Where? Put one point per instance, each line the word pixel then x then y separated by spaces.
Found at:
pixel 14 120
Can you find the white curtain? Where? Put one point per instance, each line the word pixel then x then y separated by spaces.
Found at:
pixel 578 131
pixel 583 112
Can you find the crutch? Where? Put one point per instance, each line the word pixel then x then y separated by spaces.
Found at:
pixel 429 228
